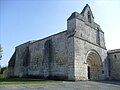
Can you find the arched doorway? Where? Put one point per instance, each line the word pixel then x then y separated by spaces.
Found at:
pixel 93 65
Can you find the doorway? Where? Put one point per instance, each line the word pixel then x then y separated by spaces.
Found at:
pixel 88 72
pixel 93 66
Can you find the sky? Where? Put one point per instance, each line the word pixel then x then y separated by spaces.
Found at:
pixel 26 20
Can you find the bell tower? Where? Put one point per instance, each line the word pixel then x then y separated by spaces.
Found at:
pixel 85 16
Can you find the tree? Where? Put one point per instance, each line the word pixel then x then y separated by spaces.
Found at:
pixel 3 69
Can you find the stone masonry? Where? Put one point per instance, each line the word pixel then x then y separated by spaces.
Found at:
pixel 79 53
pixel 114 64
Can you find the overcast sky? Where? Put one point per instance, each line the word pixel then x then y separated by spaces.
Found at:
pixel 25 20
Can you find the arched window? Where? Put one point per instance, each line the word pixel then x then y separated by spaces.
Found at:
pixel 89 17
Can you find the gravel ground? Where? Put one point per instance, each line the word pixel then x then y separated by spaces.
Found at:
pixel 66 85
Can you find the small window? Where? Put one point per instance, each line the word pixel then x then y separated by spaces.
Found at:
pixel 109 73
pixel 102 72
pixel 115 56
pixel 37 60
pixel 89 17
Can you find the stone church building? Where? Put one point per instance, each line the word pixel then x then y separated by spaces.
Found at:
pixel 79 53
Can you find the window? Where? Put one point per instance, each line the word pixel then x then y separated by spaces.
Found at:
pixel 102 71
pixel 115 56
pixel 89 17
pixel 98 36
pixel 37 60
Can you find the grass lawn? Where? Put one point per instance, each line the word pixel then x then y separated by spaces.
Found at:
pixel 26 81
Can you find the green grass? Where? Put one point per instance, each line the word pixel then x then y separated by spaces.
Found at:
pixel 26 81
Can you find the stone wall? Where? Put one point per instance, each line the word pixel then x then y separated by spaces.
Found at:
pixel 87 36
pixel 49 57
pixel 81 50
pixel 85 40
pixel 86 31
pixel 114 60
pixel 21 60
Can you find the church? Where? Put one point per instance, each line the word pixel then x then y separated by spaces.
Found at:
pixel 78 53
